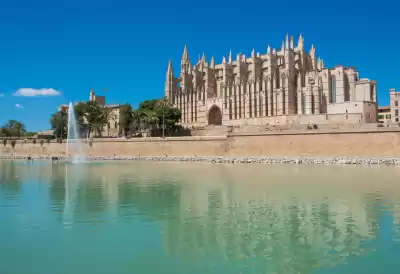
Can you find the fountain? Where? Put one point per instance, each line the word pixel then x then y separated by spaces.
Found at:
pixel 74 143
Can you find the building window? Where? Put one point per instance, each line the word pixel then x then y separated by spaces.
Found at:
pixel 332 97
pixel 396 113
pixel 303 103
pixel 396 103
pixel 397 120
pixel 372 93
pixel 346 89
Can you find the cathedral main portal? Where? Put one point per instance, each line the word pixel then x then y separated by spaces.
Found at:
pixel 215 116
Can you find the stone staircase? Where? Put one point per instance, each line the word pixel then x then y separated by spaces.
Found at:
pixel 216 131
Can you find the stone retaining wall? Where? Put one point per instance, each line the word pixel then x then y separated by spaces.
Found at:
pixel 358 144
pixel 230 160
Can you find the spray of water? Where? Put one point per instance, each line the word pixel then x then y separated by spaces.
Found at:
pixel 74 143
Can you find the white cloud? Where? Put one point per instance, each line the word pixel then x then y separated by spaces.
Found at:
pixel 19 106
pixel 31 92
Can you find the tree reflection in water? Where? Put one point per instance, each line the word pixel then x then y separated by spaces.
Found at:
pixel 275 219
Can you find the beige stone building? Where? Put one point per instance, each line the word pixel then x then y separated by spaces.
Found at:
pixel 394 105
pixel 282 86
pixel 112 128
pixel 384 115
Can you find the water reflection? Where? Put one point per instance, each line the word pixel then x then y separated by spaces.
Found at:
pixel 245 219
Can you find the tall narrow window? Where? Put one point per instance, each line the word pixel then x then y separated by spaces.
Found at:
pixel 332 97
pixel 372 93
pixel 230 109
pixel 346 89
pixel 321 95
pixel 303 103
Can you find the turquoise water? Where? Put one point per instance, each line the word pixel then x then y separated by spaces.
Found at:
pixel 134 217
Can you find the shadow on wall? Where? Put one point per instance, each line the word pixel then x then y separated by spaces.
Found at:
pixel 177 133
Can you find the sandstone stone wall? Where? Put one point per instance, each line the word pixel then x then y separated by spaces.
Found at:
pixel 272 144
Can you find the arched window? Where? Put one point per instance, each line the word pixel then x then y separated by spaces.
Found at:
pixel 332 97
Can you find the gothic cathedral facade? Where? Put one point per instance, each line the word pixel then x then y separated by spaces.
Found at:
pixel 285 86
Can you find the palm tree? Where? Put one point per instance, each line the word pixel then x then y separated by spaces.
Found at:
pixel 149 118
pixel 163 105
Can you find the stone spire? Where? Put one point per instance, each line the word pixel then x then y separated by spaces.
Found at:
pixel 287 40
pixel 300 44
pixel 185 55
pixel 212 62
pixel 223 60
pixel 313 58
pixel 312 50
pixel 319 63
pixel 253 53
pixel 92 95
pixel 292 42
pixel 268 49
pixel 283 46
pixel 170 71
pixel 203 58
pixel 230 57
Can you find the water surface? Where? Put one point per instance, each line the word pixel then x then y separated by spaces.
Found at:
pixel 143 217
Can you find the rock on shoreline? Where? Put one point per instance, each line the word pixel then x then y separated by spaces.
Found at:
pixel 233 160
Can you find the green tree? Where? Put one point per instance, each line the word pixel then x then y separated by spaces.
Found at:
pixel 13 128
pixel 91 117
pixel 109 115
pixel 167 116
pixel 5 132
pixel 126 118
pixel 163 105
pixel 30 133
pixel 59 123
pixel 148 119
pixel 80 116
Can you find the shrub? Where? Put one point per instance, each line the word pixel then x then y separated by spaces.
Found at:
pixel 4 142
pixel 309 127
pixel 41 142
pixel 34 141
pixel 13 142
pixel 380 125
pixel 315 126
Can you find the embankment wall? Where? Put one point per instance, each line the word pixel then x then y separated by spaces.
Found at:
pixel 383 143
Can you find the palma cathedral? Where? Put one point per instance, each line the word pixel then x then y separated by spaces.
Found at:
pixel 289 85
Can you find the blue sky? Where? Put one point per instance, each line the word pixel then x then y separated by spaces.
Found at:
pixel 124 46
